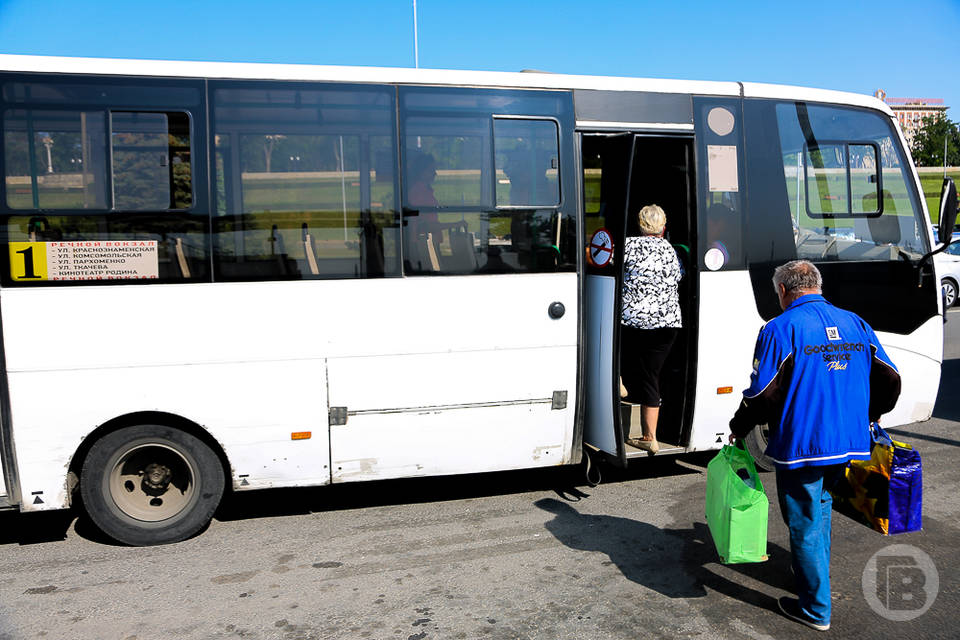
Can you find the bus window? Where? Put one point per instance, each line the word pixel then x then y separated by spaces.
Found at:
pixel 833 187
pixel 305 182
pixel 150 161
pixel 99 195
pixel 606 164
pixel 55 159
pixel 528 159
pixel 848 195
pixel 482 187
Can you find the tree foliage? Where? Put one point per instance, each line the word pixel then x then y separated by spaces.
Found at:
pixel 928 142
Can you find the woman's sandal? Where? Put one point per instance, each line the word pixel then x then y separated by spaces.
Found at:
pixel 647 445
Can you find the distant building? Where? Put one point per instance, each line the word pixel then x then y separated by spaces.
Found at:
pixel 911 111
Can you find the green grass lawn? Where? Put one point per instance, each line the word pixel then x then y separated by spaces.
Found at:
pixel 931 184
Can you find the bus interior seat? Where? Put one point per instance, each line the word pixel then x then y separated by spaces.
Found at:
pixel 182 259
pixel 427 258
pixel 885 228
pixel 310 253
pixel 463 257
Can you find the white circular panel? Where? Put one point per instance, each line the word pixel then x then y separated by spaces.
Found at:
pixel 720 121
pixel 713 259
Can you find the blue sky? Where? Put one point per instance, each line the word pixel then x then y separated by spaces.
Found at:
pixel 910 48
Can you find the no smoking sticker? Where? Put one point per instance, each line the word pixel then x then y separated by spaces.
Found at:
pixel 600 249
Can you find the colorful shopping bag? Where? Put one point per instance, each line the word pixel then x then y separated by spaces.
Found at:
pixel 736 507
pixel 886 491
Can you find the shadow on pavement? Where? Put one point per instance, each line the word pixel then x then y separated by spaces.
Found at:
pixel 673 562
pixel 947 406
pixel 567 482
pixel 33 528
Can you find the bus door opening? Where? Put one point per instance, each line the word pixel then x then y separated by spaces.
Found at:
pixel 662 173
pixel 622 172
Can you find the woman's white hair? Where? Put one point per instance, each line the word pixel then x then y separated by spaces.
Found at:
pixel 651 220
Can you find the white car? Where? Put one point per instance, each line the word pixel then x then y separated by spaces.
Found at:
pixel 948 268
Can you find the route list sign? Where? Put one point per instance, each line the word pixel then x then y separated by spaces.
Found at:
pixel 84 260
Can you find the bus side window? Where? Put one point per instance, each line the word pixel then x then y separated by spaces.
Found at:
pixel 150 165
pixel 100 176
pixel 55 159
pixel 305 181
pixel 482 188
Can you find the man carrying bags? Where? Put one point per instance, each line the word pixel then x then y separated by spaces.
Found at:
pixel 819 378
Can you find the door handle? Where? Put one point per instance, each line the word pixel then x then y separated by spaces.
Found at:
pixel 556 310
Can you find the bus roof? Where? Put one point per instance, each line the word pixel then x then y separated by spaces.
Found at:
pixel 399 75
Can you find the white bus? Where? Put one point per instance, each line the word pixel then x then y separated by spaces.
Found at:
pixel 225 276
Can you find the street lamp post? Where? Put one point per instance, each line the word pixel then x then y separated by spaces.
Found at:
pixel 48 142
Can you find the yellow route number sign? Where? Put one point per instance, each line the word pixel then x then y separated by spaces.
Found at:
pixel 84 260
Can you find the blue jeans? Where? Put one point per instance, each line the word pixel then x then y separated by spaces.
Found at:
pixel 805 503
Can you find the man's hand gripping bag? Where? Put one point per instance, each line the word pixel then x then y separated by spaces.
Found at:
pixel 736 507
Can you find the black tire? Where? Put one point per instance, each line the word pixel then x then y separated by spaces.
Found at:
pixel 756 443
pixel 949 292
pixel 151 484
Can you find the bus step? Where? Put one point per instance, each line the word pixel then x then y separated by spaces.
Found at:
pixel 665 449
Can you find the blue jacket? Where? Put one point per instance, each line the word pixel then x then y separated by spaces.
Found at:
pixel 820 376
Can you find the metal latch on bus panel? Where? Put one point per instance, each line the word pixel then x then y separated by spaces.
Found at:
pixel 338 416
pixel 559 400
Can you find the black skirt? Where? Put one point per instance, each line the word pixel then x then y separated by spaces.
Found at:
pixel 642 354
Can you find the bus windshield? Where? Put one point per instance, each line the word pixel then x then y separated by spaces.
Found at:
pixel 848 185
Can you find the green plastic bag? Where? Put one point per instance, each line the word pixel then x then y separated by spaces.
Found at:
pixel 736 507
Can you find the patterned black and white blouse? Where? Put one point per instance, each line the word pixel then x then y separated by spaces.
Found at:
pixel 651 272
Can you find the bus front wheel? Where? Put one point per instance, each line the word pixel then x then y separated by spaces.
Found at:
pixel 151 484
pixel 756 443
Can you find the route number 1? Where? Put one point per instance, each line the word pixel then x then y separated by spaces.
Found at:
pixel 28 260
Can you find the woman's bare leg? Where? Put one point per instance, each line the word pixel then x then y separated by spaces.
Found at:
pixel 648 419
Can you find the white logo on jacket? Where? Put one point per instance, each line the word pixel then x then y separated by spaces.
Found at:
pixel 833 333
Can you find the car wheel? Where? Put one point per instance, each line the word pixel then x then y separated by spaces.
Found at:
pixel 949 292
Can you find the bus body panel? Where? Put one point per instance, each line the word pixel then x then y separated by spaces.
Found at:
pixel 729 325
pixel 599 323
pixel 259 376
pixel 731 340
pixel 468 382
pixel 250 408
pixel 918 357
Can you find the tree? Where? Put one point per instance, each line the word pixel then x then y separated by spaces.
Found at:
pixel 928 142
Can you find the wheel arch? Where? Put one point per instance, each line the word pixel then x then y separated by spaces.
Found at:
pixel 149 417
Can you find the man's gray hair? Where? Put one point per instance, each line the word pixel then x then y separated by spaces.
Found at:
pixel 797 274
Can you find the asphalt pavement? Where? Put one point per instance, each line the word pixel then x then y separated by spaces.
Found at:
pixel 530 554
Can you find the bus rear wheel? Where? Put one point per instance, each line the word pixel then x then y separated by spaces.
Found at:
pixel 151 484
pixel 756 443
